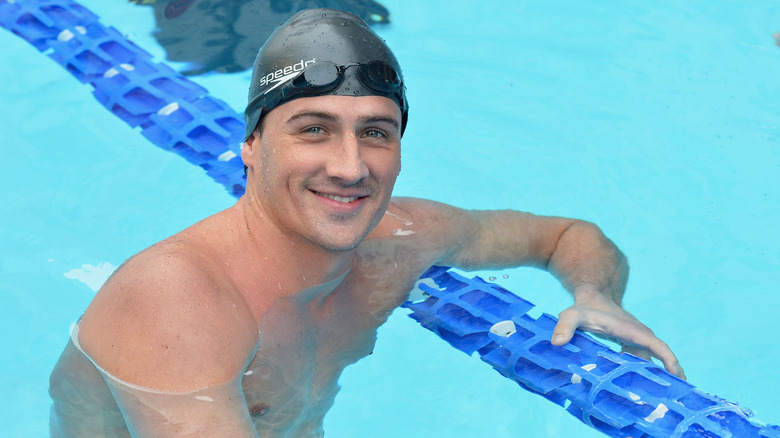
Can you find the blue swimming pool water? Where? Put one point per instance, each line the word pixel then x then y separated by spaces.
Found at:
pixel 658 123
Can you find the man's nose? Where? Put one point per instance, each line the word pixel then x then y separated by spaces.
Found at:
pixel 345 161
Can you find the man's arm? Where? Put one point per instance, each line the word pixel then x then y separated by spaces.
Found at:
pixel 172 344
pixel 595 272
pixel 577 253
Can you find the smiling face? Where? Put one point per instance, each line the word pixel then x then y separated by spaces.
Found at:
pixel 324 167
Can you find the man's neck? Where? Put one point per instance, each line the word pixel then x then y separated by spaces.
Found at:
pixel 284 265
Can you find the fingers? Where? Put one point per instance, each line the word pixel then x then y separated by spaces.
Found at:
pixel 619 326
pixel 568 322
pixel 640 341
pixel 661 351
pixel 638 352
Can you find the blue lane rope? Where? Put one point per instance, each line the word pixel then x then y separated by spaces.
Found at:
pixel 617 394
pixel 173 112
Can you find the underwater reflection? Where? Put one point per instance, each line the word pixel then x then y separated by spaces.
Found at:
pixel 224 35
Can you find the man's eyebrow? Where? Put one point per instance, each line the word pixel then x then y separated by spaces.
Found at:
pixel 330 117
pixel 370 120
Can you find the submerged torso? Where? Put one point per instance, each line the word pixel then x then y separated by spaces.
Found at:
pixel 292 381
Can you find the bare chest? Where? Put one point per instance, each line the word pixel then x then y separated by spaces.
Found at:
pixel 293 379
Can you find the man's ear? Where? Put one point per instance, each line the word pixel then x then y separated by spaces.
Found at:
pixel 250 147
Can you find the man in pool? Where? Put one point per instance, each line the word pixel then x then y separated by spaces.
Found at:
pixel 242 324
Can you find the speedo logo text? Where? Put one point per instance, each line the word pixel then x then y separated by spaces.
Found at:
pixel 282 75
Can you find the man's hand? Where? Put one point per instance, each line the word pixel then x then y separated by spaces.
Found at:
pixel 597 314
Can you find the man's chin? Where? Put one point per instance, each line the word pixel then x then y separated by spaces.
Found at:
pixel 342 245
pixel 341 248
pixel 340 240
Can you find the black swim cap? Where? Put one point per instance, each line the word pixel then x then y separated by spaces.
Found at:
pixel 323 52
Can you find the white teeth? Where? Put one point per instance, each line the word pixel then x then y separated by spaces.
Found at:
pixel 341 199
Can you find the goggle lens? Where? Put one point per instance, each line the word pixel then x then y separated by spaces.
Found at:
pixel 318 75
pixel 380 76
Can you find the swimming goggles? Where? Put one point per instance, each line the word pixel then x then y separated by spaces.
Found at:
pixel 320 78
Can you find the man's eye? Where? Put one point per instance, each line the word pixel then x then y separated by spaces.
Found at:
pixel 313 130
pixel 374 133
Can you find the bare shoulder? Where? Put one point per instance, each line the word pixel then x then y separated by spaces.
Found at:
pixel 418 233
pixel 168 320
pixel 427 219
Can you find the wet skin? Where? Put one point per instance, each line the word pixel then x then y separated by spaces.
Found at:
pixel 285 259
pixel 314 257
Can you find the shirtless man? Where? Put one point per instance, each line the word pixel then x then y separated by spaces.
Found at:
pixel 242 324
